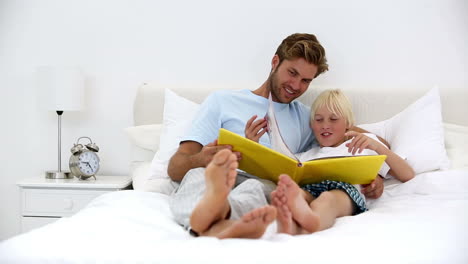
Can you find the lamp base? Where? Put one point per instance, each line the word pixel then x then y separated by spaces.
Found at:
pixel 58 175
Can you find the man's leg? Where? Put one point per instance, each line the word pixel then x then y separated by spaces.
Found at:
pixel 220 176
pixel 210 217
pixel 252 225
pixel 187 195
pixel 266 185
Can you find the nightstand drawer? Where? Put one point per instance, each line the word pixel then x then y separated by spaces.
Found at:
pixel 30 223
pixel 46 200
pixel 50 202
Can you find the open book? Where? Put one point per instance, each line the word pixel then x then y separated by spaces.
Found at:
pixel 266 163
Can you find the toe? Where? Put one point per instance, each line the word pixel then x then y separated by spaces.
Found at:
pixel 221 156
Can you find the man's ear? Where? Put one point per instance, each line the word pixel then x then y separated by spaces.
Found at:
pixel 274 62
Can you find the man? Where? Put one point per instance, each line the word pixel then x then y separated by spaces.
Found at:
pixel 204 201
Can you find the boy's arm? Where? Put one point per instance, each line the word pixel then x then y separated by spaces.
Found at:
pixel 360 130
pixel 399 168
pixel 374 189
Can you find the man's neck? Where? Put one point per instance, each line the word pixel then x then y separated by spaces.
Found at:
pixel 263 90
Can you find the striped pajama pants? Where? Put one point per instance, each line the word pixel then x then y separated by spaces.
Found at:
pixel 248 193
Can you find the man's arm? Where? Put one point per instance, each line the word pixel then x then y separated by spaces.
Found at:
pixel 190 155
pixel 181 161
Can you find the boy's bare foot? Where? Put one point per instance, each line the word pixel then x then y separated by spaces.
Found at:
pixel 301 212
pixel 252 225
pixel 220 176
pixel 284 219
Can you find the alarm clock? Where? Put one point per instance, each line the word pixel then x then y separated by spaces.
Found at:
pixel 84 161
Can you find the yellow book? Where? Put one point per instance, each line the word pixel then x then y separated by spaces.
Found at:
pixel 266 163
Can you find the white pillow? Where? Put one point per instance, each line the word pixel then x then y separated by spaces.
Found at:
pixel 142 181
pixel 144 136
pixel 416 133
pixel 177 119
pixel 456 144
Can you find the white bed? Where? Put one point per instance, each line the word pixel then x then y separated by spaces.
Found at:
pixel 422 221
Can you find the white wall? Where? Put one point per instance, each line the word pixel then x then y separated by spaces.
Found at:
pixel 120 44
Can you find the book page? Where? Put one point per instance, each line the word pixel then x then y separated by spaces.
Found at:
pixel 266 163
pixel 257 159
pixel 273 130
pixel 351 169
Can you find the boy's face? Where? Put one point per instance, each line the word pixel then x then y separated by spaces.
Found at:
pixel 328 128
pixel 290 79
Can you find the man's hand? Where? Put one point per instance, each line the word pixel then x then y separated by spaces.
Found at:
pixel 374 189
pixel 254 129
pixel 190 155
pixel 204 157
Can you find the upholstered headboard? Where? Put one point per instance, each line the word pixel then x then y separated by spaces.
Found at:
pixel 370 105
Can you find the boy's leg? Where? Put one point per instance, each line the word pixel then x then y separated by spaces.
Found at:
pixel 321 212
pixel 284 220
pixel 331 205
pixel 297 201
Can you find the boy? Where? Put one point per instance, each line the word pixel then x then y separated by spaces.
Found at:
pixel 315 207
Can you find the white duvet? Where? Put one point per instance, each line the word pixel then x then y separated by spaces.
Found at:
pixel 422 221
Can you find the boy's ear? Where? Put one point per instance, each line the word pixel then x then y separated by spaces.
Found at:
pixel 348 127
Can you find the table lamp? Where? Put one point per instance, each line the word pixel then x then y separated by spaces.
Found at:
pixel 60 89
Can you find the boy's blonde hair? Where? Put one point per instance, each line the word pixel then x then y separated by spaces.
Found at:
pixel 337 103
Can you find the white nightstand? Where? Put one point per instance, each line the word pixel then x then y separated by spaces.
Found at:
pixel 45 200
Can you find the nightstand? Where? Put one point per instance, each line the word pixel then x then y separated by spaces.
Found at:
pixel 45 200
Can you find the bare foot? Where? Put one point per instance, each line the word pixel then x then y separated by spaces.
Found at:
pixel 300 209
pixel 252 225
pixel 220 176
pixel 284 219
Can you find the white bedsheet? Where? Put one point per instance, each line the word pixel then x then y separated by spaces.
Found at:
pixel 422 221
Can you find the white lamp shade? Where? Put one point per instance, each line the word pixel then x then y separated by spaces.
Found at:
pixel 60 88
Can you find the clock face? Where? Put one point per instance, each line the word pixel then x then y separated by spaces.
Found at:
pixel 88 163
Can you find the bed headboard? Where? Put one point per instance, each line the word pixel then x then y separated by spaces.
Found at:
pixel 370 105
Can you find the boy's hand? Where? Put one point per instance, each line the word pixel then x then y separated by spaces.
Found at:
pixel 374 189
pixel 254 129
pixel 360 142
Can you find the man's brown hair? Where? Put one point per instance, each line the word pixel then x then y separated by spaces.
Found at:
pixel 306 46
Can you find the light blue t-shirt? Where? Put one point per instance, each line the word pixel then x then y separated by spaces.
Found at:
pixel 232 109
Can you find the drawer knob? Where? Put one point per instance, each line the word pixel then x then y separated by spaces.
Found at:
pixel 68 203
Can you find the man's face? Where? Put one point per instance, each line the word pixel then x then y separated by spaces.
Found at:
pixel 290 79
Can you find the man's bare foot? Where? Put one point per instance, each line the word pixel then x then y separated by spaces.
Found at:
pixel 284 220
pixel 301 212
pixel 252 225
pixel 220 176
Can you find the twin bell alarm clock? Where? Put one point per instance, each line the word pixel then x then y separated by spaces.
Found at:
pixel 84 161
